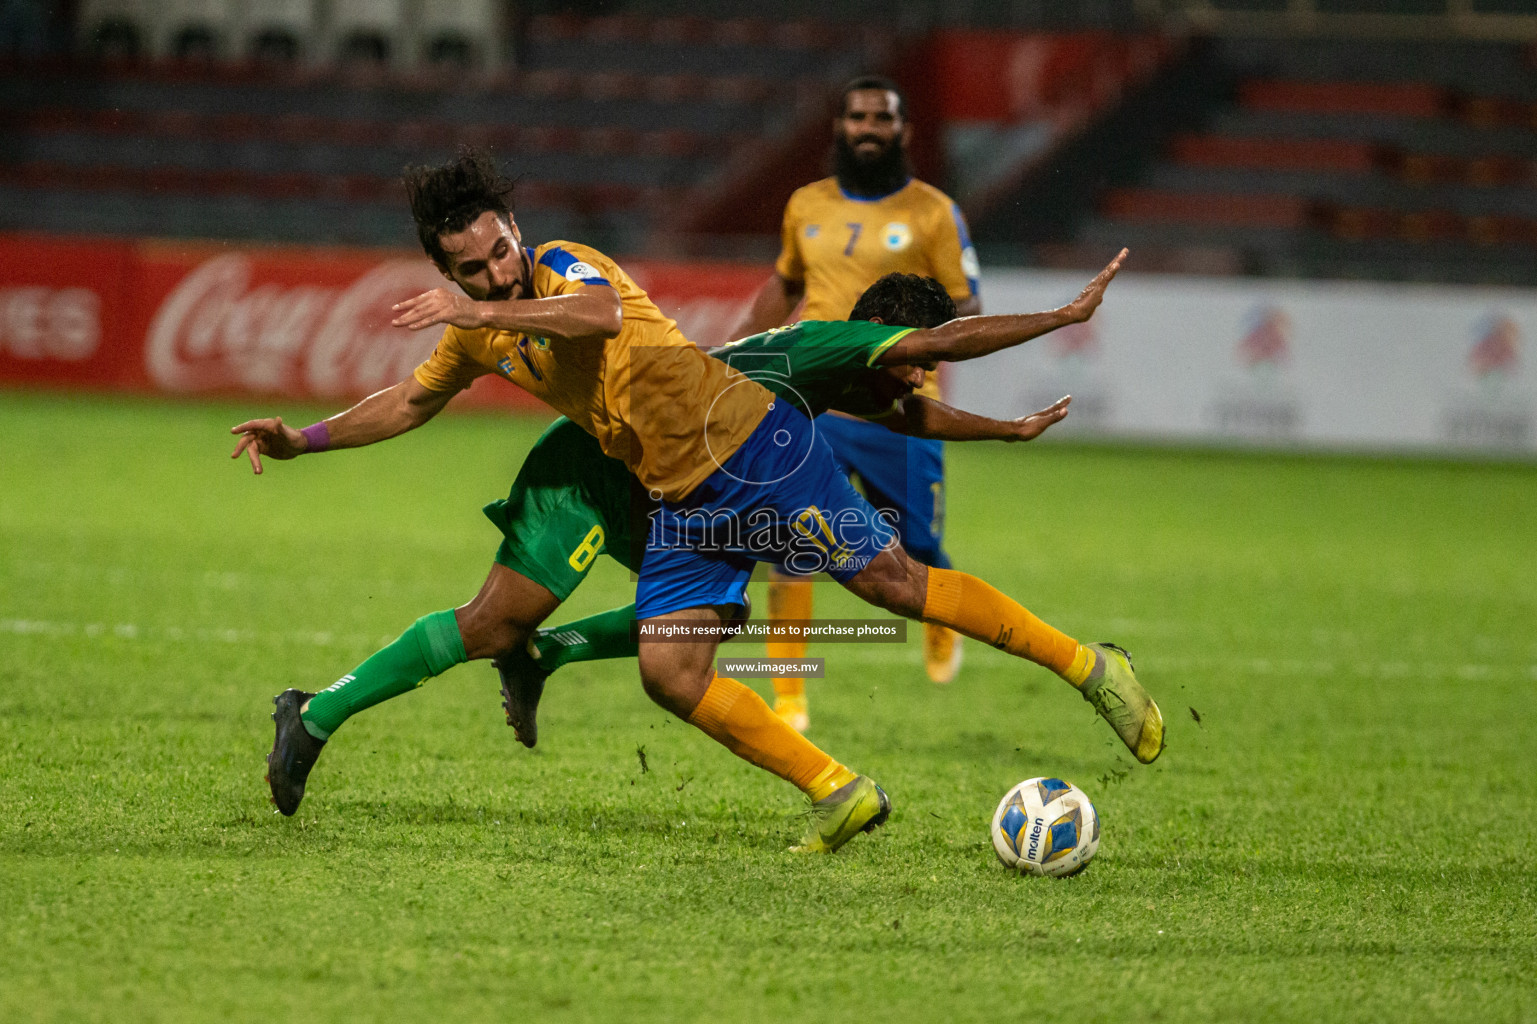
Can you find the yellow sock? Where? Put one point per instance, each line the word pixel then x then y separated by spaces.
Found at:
pixel 738 719
pixel 788 599
pixel 831 778
pixel 978 610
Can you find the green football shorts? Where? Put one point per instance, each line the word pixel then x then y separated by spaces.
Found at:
pixel 569 503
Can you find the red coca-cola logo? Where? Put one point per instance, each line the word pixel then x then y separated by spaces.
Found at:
pixel 222 328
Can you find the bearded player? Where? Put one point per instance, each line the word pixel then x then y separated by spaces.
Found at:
pixel 568 325
pixel 841 234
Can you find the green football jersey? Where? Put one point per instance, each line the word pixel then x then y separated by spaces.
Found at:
pixel 816 364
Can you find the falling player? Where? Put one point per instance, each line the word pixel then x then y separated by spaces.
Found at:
pixel 567 324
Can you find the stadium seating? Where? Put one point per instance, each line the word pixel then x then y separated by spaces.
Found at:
pixel 194 29
pixel 115 29
pixel 278 30
pixel 1392 160
pixel 1035 14
pixel 465 33
pixel 611 123
pixel 368 31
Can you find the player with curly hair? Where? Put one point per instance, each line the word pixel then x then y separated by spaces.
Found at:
pixel 707 443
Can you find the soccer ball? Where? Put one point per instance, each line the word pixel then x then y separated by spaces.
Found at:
pixel 1045 827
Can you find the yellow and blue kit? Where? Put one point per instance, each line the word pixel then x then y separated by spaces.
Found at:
pixel 838 245
pixel 780 499
pixel 740 477
pixel 570 502
pixel 652 399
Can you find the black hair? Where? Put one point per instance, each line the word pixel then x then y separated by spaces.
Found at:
pixel 448 198
pixel 905 300
pixel 873 82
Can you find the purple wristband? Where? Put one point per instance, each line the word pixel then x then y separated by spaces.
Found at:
pixel 317 436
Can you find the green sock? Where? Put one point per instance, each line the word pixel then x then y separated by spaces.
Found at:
pixel 430 647
pixel 604 635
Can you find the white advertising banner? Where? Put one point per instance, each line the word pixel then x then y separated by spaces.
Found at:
pixel 1295 364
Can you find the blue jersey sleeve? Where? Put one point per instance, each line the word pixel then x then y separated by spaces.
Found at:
pixel 571 268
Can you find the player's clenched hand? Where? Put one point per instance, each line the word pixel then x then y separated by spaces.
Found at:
pixel 1030 427
pixel 271 437
pixel 439 306
pixel 1089 299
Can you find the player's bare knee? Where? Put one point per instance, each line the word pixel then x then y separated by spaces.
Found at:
pixel 653 674
pixel 504 614
pixel 893 581
pixel 489 635
pixel 673 678
pixel 672 691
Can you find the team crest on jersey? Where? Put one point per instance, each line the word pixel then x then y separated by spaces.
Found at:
pixel 580 271
pixel 897 236
pixel 970 265
pixel 812 230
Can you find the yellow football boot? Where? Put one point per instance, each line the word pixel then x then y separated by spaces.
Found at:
pixel 859 806
pixel 941 652
pixel 1121 700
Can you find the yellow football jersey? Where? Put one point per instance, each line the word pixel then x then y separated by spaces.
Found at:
pixel 839 246
pixel 651 398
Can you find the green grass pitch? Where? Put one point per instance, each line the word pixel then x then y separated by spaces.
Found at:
pixel 1346 834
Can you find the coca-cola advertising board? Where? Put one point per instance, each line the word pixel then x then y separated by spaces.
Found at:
pixel 706 299
pixel 207 319
pixel 57 299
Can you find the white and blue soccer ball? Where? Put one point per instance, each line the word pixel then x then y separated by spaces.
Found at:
pixel 1045 827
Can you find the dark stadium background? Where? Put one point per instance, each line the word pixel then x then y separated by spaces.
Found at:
pixel 1360 140
pixel 1384 139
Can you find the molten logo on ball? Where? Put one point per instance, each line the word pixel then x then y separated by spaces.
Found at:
pixel 1063 831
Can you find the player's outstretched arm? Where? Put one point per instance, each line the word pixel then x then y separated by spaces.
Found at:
pixel 975 336
pixel 591 313
pixel 771 306
pixel 924 417
pixel 380 416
